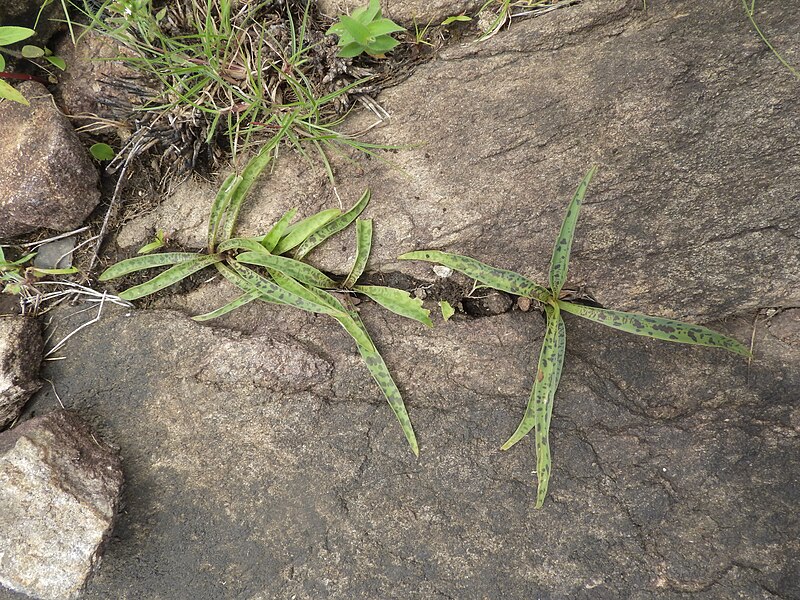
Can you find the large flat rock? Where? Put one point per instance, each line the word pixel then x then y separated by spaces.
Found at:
pixel 262 462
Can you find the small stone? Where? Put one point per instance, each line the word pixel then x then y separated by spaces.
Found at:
pixel 442 271
pixel 523 303
pixel 21 348
pixel 48 178
pixel 55 255
pixel 59 494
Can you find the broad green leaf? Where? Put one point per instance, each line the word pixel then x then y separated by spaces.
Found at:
pixel 382 44
pixel 57 62
pixel 351 50
pixel 279 293
pixel 333 227
pixel 219 206
pixel 253 169
pixel 249 244
pixel 297 233
pixel 138 263
pixel 11 35
pixel 499 279
pixel 230 306
pixel 660 328
pixel 398 301
pixel 9 92
pixel 563 246
pixel 383 27
pixel 293 268
pixel 447 310
pixel 359 32
pixel 102 151
pixel 169 277
pixel 363 248
pixel 2 63
pixel 274 236
pixel 373 11
pixel 29 51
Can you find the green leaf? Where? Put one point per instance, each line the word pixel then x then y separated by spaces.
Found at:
pixel 363 248
pixel 382 44
pixel 169 277
pixel 139 263
pixel 351 50
pixel 230 306
pixel 333 227
pixel 29 51
pixel 274 236
pixel 9 92
pixel 659 328
pixel 398 301
pixel 563 246
pixel 297 233
pixel 253 169
pixel 40 272
pixel 499 279
pixel 359 32
pixel 540 406
pixel 249 244
pixel 57 62
pixel 219 206
pixel 293 268
pixel 371 12
pixel 383 27
pixel 447 310
pixel 2 63
pixel 455 18
pixel 102 151
pixel 11 35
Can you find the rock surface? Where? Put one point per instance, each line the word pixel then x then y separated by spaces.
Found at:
pixel 59 494
pixel 405 12
pixel 21 348
pixel 55 185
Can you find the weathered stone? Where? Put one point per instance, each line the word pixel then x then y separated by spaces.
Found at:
pixel 25 13
pixel 56 254
pixel 58 499
pixel 485 303
pixel 48 178
pixel 21 348
pixel 405 12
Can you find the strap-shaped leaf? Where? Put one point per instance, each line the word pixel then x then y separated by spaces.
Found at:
pixel 219 206
pixel 139 263
pixel 243 284
pixel 274 236
pixel 363 248
pixel 297 233
pixel 276 293
pixel 171 276
pixel 499 279
pixel 563 246
pixel 335 226
pixel 398 301
pixel 230 306
pixel 356 331
pixel 249 244
pixel 540 406
pixel 253 169
pixel 660 328
pixel 293 268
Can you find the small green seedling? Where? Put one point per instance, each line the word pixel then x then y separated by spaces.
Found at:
pixel 159 242
pixel 16 274
pixel 10 35
pixel 551 358
pixel 258 267
pixel 365 30
pixel 102 151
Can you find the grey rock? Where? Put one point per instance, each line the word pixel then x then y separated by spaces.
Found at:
pixel 55 255
pixel 24 13
pixel 48 178
pixel 58 500
pixel 21 348
pixel 405 12
pixel 487 302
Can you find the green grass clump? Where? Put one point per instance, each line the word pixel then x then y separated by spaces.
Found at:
pixel 259 267
pixel 551 358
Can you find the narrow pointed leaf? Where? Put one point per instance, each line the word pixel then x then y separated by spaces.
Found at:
pixel 355 328
pixel 563 246
pixel 363 248
pixel 139 263
pixel 398 301
pixel 170 277
pixel 383 27
pixel 297 233
pixel 660 328
pixel 249 244
pixel 9 92
pixel 243 284
pixel 293 268
pixel 219 206
pixel 333 227
pixel 499 279
pixel 248 177
pixel 10 34
pixel 274 236
pixel 230 306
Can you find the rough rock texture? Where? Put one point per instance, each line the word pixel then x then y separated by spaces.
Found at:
pixel 21 347
pixel 59 492
pixel 695 125
pixel 23 13
pixel 262 462
pixel 48 178
pixel 405 12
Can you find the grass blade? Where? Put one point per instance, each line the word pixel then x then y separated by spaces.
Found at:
pixel 139 263
pixel 333 227
pixel 398 301
pixel 659 328
pixel 274 236
pixel 171 276
pixel 219 206
pixel 363 248
pixel 560 261
pixel 293 268
pixel 297 233
pixel 230 306
pixel 499 279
